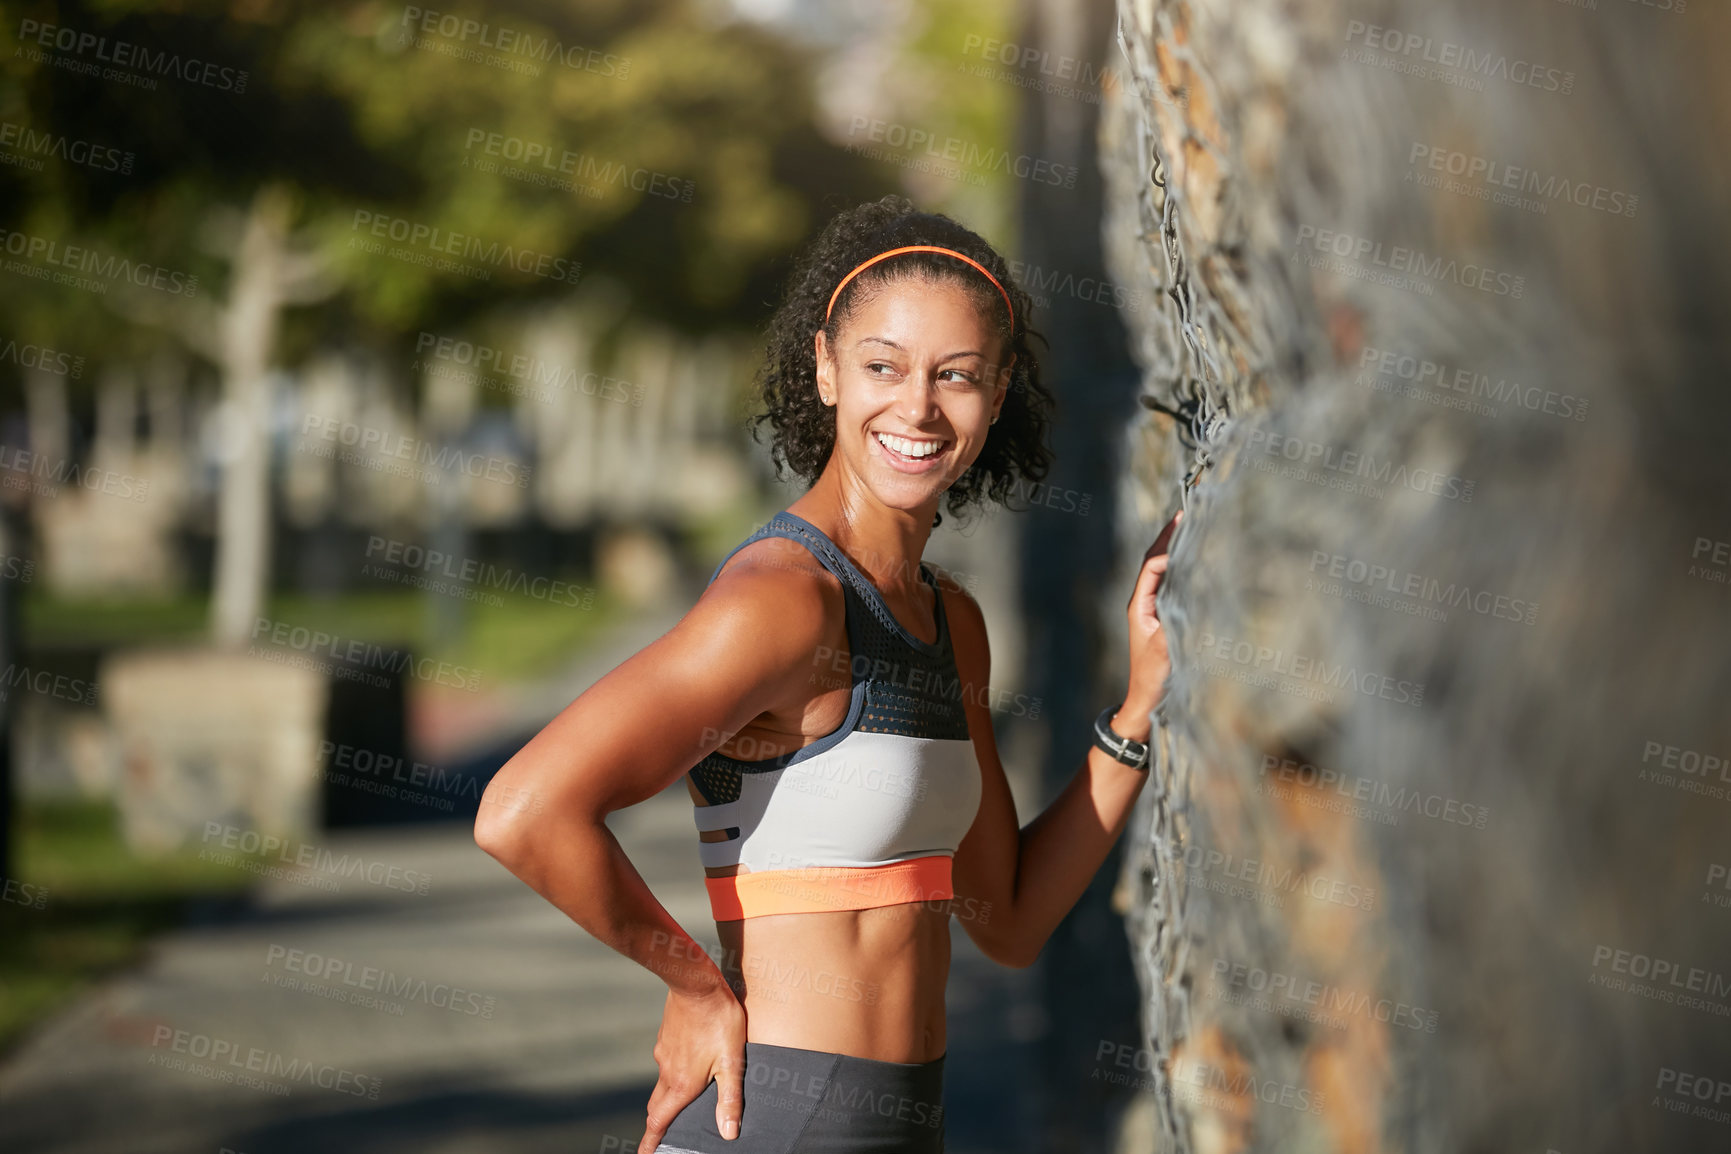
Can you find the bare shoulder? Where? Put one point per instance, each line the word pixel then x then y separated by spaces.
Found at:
pixel 967 622
pixel 772 594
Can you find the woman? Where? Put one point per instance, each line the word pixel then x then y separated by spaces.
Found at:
pixel 828 703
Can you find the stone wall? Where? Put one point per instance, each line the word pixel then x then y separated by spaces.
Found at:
pixel 1435 857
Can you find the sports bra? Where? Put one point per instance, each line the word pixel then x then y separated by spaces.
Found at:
pixel 871 814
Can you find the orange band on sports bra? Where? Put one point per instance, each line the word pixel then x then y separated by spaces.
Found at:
pixel 921 248
pixel 817 889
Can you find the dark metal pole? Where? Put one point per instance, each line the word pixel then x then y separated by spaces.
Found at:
pixel 1067 544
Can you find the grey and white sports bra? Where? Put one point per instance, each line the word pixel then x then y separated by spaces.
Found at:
pixel 871 814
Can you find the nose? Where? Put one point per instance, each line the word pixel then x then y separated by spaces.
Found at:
pixel 918 399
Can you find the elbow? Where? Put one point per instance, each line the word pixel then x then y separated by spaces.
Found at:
pixel 502 833
pixel 491 833
pixel 1006 947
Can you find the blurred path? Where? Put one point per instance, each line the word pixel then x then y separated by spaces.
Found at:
pixel 488 1020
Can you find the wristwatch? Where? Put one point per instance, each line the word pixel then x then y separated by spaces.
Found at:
pixel 1132 753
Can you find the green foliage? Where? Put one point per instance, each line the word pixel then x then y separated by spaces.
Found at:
pixel 515 641
pixel 931 88
pixel 354 108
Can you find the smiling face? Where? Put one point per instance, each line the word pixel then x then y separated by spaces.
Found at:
pixel 915 378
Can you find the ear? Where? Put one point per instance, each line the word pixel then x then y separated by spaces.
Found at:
pixel 825 366
pixel 1003 389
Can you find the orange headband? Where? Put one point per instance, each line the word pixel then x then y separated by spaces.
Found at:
pixel 920 248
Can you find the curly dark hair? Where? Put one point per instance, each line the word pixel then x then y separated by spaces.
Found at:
pixel 804 427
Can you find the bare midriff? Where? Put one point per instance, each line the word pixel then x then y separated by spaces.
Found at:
pixel 865 982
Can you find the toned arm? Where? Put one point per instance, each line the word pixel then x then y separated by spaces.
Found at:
pixel 1016 884
pixel 743 650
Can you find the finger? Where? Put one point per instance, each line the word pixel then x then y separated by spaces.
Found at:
pixel 1148 584
pixel 659 1117
pixel 1164 538
pixel 729 1097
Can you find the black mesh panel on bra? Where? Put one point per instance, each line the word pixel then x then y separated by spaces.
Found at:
pixel 717 778
pixel 910 693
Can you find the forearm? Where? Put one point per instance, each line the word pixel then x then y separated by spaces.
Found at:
pixel 1062 849
pixel 580 867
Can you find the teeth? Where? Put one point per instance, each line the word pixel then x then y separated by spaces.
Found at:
pixel 909 448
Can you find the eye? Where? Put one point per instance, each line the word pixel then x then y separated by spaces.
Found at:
pixel 963 377
pixel 878 365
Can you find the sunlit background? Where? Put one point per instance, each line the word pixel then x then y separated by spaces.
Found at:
pixel 373 378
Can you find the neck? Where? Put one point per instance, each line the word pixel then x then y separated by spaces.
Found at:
pixel 885 542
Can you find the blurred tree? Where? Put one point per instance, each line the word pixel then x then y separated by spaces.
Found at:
pixel 408 167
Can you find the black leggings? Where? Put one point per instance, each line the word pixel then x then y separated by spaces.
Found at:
pixel 813 1102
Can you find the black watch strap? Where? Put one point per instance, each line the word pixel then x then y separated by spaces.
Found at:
pixel 1132 753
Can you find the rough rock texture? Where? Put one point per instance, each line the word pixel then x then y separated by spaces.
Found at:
pixel 1435 857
